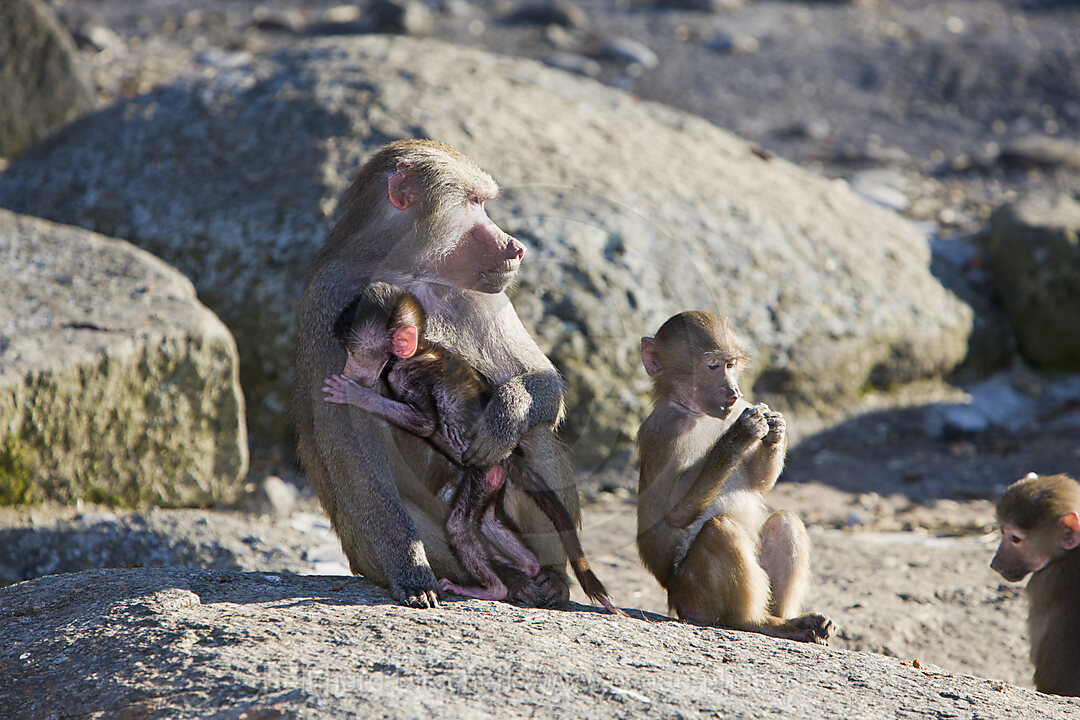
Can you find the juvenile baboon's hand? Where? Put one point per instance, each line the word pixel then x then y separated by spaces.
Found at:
pixel 753 424
pixel 777 428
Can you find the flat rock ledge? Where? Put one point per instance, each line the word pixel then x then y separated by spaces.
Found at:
pixel 116 384
pixel 183 643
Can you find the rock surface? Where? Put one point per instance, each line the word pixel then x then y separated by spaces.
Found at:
pixel 188 644
pixel 1034 251
pixel 633 211
pixel 908 594
pixel 116 384
pixel 44 84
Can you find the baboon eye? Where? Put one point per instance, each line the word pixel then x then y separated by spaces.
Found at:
pixel 731 364
pixel 475 199
pixel 1015 539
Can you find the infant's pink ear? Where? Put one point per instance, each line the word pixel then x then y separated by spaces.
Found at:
pixel 650 356
pixel 1070 526
pixel 405 340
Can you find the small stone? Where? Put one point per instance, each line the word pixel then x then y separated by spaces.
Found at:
pixel 456 8
pixel 955 421
pixel 733 44
pixel 404 17
pixel 273 496
pixel 701 5
pixel 574 63
pixel 887 188
pixel 558 12
pixel 340 14
pixel 1041 151
pixel 560 37
pixel 291 19
pixel 98 37
pixel 630 52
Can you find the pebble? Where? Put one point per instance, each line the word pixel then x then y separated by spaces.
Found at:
pixel 630 52
pixel 98 37
pixel 405 17
pixel 291 19
pixel 887 188
pixel 1041 150
pixel 702 5
pixel 272 496
pixel 574 63
pixel 558 12
pixel 736 44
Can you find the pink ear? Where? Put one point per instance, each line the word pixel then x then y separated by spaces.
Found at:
pixel 649 357
pixel 1070 524
pixel 405 341
pixel 402 187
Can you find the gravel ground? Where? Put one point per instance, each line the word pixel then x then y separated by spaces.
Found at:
pixel 922 101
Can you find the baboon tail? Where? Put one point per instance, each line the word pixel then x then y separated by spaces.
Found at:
pixel 553 507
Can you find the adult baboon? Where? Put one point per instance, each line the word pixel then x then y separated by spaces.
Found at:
pixel 414 217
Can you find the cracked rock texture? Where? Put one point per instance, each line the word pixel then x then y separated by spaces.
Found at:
pixel 116 384
pixel 45 85
pixel 176 643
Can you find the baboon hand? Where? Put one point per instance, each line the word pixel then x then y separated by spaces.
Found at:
pixel 753 423
pixel 777 428
pixel 340 390
pixel 416 596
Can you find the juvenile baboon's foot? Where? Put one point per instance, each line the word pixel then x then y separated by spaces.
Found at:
pixel 496 592
pixel 521 589
pixel 548 589
pixel 554 587
pixel 813 627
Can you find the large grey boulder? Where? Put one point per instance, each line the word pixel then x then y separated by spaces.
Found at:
pixel 632 211
pixel 42 81
pixel 116 384
pixel 176 643
pixel 1034 253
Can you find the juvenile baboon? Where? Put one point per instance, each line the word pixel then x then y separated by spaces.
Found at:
pixel 414 217
pixel 707 460
pixel 1040 531
pixel 436 395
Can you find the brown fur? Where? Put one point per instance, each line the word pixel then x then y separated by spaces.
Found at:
pixel 436 395
pixel 378 483
pixel 1040 534
pixel 707 460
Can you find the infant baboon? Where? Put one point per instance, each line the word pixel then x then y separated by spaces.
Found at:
pixel 707 460
pixel 1040 531
pixel 436 395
